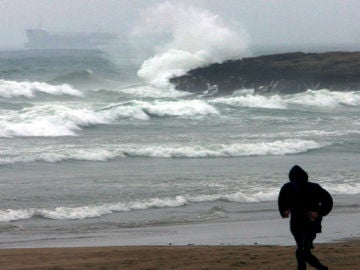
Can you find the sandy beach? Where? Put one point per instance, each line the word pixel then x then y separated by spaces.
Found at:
pixel 341 255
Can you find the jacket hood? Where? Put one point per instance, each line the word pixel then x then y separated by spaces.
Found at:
pixel 298 175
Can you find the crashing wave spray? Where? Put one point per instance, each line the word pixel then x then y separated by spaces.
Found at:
pixel 190 38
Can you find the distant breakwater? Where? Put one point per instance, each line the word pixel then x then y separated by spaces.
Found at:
pixel 284 73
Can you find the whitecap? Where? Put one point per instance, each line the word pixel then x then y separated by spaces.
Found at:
pixel 13 89
pixel 94 211
pixel 325 98
pixel 59 153
pixel 252 101
pixel 187 108
pixel 153 92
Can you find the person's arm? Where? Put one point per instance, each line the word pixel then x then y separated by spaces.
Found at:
pixel 284 201
pixel 326 202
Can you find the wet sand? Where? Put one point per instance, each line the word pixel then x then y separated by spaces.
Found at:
pixel 341 255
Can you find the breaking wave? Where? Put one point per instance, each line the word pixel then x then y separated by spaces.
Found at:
pixel 13 89
pixel 65 119
pixel 108 152
pixel 190 38
pixel 279 147
pixel 48 120
pixel 252 101
pixel 325 98
pixel 153 92
pixel 61 120
pixel 311 98
pixel 94 211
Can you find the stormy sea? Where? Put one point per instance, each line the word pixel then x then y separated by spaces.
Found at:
pixel 98 149
pixel 88 150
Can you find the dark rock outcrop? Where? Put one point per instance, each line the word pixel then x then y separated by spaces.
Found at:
pixel 286 73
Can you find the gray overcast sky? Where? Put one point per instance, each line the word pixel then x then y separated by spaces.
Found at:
pixel 267 22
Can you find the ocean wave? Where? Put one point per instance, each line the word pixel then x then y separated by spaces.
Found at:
pixel 153 92
pixel 343 188
pixel 188 44
pixel 94 211
pixel 325 98
pixel 184 108
pixel 311 98
pixel 47 120
pixel 279 147
pixel 13 89
pixel 161 108
pixel 90 211
pixel 252 101
pixel 108 152
pixel 60 120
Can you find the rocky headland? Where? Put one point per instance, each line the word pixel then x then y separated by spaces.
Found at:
pixel 284 73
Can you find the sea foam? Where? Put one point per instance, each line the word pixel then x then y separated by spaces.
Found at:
pixel 13 89
pixel 59 153
pixel 64 120
pixel 47 120
pixel 94 211
pixel 252 101
pixel 279 147
pixel 325 98
pixel 154 92
pixel 185 108
pixel 189 38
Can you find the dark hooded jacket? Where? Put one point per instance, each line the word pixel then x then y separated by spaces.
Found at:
pixel 300 197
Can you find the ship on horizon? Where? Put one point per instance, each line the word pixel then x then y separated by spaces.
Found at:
pixel 41 39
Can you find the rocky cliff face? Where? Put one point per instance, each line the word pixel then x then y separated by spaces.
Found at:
pixel 286 73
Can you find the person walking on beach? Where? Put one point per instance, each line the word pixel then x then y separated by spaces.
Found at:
pixel 306 203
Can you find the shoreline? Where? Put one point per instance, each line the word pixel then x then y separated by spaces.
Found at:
pixel 340 255
pixel 271 230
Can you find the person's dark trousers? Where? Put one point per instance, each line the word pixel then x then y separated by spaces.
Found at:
pixel 304 242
